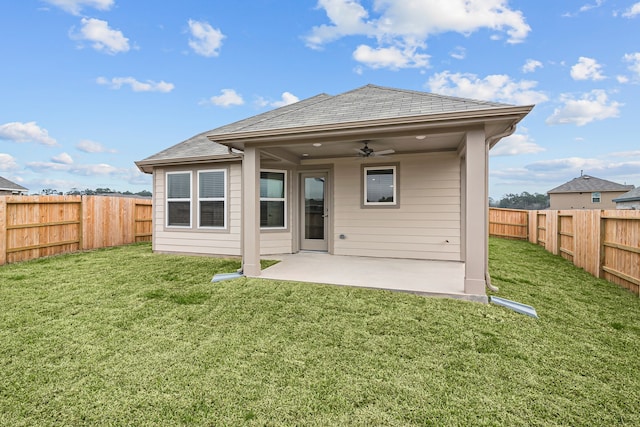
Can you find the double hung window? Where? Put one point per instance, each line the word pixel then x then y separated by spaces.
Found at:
pixel 273 204
pixel 212 195
pixel 179 199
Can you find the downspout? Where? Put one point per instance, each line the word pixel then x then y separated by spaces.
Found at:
pixel 492 141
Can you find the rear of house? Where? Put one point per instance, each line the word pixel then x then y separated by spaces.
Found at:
pixel 376 172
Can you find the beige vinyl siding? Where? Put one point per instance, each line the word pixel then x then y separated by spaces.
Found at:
pixel 194 240
pixel 427 217
pixel 272 242
pixel 558 201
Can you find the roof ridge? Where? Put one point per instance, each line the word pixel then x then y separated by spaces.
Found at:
pixel 436 95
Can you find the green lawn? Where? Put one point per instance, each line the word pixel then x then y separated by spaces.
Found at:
pixel 125 337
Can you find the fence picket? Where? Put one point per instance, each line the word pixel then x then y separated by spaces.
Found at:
pixel 604 243
pixel 37 226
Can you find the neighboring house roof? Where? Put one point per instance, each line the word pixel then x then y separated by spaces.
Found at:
pixel 7 185
pixel 587 184
pixel 356 109
pixel 630 196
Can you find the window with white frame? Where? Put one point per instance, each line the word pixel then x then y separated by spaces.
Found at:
pixel 380 187
pixel 212 198
pixel 595 197
pixel 178 199
pixel 273 206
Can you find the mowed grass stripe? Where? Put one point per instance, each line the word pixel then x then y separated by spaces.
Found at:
pixel 123 336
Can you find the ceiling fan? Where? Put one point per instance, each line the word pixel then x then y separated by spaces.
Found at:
pixel 369 152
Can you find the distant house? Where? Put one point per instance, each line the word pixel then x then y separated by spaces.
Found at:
pixel 587 192
pixel 8 188
pixel 629 200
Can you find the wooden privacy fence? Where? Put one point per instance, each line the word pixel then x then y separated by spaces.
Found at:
pixel 606 243
pixel 38 226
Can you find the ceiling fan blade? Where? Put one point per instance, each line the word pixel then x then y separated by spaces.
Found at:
pixel 384 152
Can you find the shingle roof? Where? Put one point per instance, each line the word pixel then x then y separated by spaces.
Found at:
pixel 629 196
pixel 5 184
pixel 367 103
pixel 587 183
pixel 197 146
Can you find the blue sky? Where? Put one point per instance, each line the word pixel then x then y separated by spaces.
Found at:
pixel 90 86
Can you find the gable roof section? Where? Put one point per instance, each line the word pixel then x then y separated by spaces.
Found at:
pixel 630 196
pixel 587 183
pixel 367 103
pixel 7 185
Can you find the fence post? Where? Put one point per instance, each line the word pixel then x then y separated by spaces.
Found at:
pixel 81 224
pixel 3 230
pixel 603 233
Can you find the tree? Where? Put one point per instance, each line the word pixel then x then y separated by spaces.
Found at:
pixel 524 200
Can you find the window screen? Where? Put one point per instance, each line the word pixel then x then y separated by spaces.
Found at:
pixel 272 199
pixel 179 199
pixel 212 198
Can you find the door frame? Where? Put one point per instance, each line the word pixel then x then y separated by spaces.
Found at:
pixel 328 209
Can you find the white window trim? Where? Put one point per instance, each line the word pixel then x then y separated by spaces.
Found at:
pixel 599 197
pixel 178 199
pixel 395 186
pixel 213 199
pixel 277 199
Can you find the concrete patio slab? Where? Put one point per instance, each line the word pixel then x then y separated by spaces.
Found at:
pixel 429 278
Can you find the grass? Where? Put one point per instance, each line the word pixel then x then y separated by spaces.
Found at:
pixel 122 336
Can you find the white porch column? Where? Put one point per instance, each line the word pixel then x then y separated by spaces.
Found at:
pixel 475 212
pixel 251 212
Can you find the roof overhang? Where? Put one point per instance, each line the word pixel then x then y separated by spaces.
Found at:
pixel 497 123
pixel 147 166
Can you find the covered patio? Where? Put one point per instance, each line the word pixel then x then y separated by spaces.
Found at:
pixel 428 278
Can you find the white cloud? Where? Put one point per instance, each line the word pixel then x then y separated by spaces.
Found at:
pixel 590 6
pixel 75 6
pixel 634 60
pixel 26 132
pixel 516 144
pixel 591 106
pixel 7 162
pixel 531 65
pixel 390 57
pixel 458 53
pixel 206 40
pixel 587 69
pixel 401 27
pixel 136 86
pixel 104 38
pixel 62 158
pixel 228 98
pixel 497 87
pixel 633 11
pixel 287 99
pixel 89 146
pixel 82 170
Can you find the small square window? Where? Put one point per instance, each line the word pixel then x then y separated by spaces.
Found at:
pixel 595 197
pixel 380 186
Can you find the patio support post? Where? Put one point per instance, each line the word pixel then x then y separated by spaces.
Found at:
pixel 251 212
pixel 476 215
